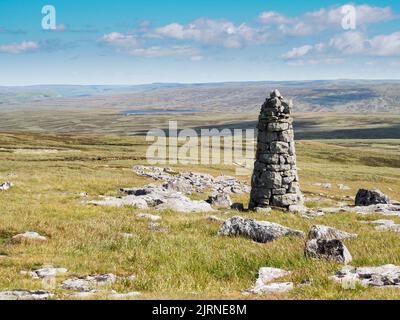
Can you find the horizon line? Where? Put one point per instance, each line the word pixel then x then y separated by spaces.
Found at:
pixel 194 83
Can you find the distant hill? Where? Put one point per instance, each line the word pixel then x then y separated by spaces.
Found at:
pixel 309 96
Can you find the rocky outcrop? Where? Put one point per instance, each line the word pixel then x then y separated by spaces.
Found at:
pixel 220 200
pixel 333 250
pixel 88 283
pixel 328 233
pixel 386 225
pixel 384 209
pixel 45 272
pixel 25 295
pixel 265 285
pixel 382 276
pixel 326 243
pixel 189 182
pixel 275 181
pixel 155 197
pixel 259 231
pixel 371 197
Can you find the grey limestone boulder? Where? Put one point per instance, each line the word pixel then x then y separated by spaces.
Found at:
pixel 371 197
pixel 259 231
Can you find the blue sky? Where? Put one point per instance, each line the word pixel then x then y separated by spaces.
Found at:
pixel 134 42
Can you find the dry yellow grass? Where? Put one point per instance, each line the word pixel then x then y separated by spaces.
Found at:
pixel 190 260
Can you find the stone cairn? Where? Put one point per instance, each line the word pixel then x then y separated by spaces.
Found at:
pixel 275 182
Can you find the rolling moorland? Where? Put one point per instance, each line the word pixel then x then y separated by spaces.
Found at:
pixel 66 142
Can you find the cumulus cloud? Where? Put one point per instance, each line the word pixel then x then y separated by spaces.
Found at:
pixel 349 43
pixel 323 19
pixel 273 17
pixel 132 45
pixel 298 52
pixel 358 43
pixel 213 32
pixel 124 42
pixel 21 47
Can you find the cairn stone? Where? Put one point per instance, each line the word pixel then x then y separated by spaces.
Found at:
pixel 275 181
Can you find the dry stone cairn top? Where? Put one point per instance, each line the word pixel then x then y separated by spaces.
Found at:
pixel 275 181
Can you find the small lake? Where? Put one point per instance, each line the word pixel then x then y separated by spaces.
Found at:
pixel 158 111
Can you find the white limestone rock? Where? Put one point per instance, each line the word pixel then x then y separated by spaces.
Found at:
pixel 259 231
pixel 264 283
pixel 148 216
pixel 328 233
pixel 29 235
pixel 381 276
pixel 88 283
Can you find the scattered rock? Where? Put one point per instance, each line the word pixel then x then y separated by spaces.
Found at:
pixel 5 186
pixel 328 233
pixel 29 235
pixel 215 219
pixel 25 295
pixel 132 201
pixel 386 225
pixel 155 197
pixel 384 209
pixel 149 216
pixel 88 283
pixel 333 250
pixel 183 187
pixel 185 205
pixel 371 197
pixel 263 284
pixel 382 276
pixel 343 187
pixel 45 272
pixel 221 200
pixel 198 182
pixel 298 209
pixel 259 231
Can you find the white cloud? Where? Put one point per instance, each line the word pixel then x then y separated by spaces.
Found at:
pixel 298 52
pixel 273 17
pixel 349 43
pixel 213 32
pixel 16 48
pixel 358 43
pixel 386 45
pixel 131 45
pixel 121 41
pixel 323 19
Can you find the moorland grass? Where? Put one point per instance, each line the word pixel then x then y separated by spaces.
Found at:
pixel 190 260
